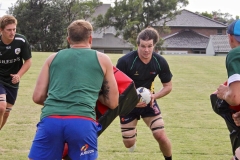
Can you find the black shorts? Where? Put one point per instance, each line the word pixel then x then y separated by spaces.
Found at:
pixel 136 113
pixel 11 93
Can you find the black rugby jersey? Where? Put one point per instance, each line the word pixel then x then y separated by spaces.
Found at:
pixel 144 74
pixel 11 58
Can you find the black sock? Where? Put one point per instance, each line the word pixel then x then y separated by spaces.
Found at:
pixel 168 158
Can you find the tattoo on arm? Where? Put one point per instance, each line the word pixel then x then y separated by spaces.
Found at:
pixel 105 89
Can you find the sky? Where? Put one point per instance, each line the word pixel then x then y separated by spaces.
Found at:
pixel 229 6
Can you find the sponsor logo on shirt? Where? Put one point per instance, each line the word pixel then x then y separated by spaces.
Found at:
pixel 17 50
pixel 8 61
pixel 84 150
pixel 136 74
pixel 8 47
pixel 152 72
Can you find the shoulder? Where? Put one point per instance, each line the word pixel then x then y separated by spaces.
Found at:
pixel 103 58
pixel 101 55
pixel 159 58
pixel 129 56
pixel 235 50
pixel 50 58
pixel 233 54
pixel 20 37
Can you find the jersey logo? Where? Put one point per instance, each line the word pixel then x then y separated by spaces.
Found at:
pixel 17 50
pixel 136 74
pixel 152 72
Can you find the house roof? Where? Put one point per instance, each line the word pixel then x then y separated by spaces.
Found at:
pixel 186 39
pixel 106 38
pixel 102 9
pixel 220 43
pixel 188 19
pixel 110 41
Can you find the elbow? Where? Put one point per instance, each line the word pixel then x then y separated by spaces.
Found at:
pixel 28 63
pixel 37 99
pixel 234 101
pixel 169 89
pixel 113 106
pixel 114 102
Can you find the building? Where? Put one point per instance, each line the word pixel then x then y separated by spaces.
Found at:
pixel 190 33
pixel 106 41
pixel 218 45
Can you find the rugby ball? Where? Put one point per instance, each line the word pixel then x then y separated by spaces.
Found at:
pixel 144 95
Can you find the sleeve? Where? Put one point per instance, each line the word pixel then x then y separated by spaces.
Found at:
pixel 26 50
pixel 121 65
pixel 165 74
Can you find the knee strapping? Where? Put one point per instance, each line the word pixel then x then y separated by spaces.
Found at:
pixel 155 128
pixel 128 129
pixel 8 109
pixel 2 99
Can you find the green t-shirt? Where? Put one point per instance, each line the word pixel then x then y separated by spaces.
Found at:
pixel 75 79
pixel 233 65
pixel 11 58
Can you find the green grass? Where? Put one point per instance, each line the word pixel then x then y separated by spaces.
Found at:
pixel 195 131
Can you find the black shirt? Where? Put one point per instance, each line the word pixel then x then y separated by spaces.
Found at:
pixel 11 58
pixel 143 74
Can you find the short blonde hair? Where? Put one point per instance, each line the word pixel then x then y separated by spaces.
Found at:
pixel 6 20
pixel 79 30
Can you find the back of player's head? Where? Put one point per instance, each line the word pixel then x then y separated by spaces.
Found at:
pixel 79 30
pixel 234 29
pixel 148 34
pixel 6 20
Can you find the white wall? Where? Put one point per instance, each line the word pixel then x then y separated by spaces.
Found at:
pixel 210 49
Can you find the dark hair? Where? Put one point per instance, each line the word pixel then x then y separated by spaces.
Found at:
pixel 79 30
pixel 148 34
pixel 6 20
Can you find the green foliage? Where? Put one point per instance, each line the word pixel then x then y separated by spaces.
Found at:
pixel 225 18
pixel 44 22
pixel 129 17
pixel 206 14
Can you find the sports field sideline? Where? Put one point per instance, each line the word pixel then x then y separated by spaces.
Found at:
pixel 196 132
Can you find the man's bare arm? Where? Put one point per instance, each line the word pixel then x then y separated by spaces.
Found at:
pixel 41 88
pixel 109 93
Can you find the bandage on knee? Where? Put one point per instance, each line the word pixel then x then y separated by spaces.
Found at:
pixel 2 99
pixel 8 109
pixel 155 128
pixel 125 130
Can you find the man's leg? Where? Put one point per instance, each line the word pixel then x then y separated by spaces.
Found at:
pixel 156 124
pixel 237 154
pixel 3 105
pixel 6 114
pixel 129 133
pixel 9 96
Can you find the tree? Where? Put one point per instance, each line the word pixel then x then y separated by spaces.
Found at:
pixel 206 14
pixel 44 22
pixel 129 17
pixel 225 18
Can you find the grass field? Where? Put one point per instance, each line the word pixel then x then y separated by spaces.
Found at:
pixel 196 132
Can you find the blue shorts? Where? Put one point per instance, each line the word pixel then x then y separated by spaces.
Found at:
pixel 136 113
pixel 11 93
pixel 80 133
